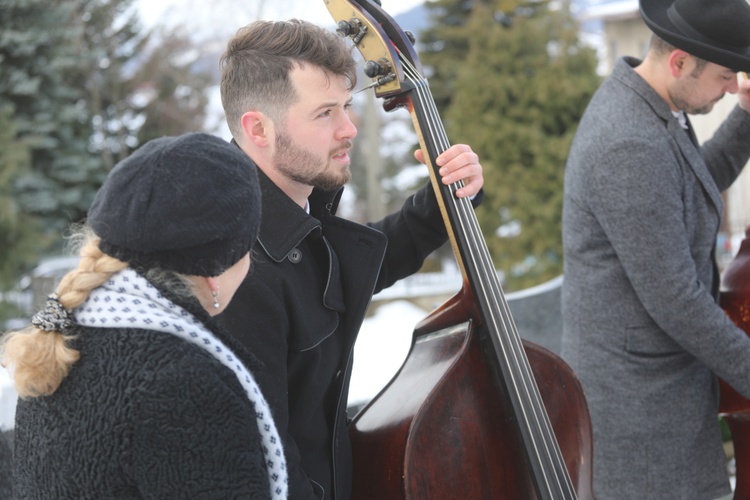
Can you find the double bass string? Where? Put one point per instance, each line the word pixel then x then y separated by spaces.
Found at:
pixel 532 411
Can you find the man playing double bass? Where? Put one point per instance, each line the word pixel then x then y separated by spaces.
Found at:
pixel 642 208
pixel 286 90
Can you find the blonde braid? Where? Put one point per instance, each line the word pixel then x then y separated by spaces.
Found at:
pixel 41 359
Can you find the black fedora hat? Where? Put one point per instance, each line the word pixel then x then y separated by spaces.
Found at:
pixel 715 30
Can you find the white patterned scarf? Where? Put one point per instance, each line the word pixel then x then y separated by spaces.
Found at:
pixel 128 300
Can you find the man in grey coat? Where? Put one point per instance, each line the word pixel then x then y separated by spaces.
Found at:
pixel 642 208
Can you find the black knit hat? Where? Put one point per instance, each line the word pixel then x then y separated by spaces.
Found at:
pixel 714 30
pixel 189 204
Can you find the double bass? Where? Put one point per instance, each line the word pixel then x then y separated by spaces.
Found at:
pixel 733 407
pixel 474 412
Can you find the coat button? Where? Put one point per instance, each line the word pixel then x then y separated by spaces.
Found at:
pixel 295 256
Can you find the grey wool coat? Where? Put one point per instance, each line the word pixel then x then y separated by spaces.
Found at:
pixel 641 325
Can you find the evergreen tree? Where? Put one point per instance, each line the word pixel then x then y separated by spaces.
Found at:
pixel 175 78
pixel 444 45
pixel 95 127
pixel 18 232
pixel 111 46
pixel 35 105
pixel 519 84
pixel 81 85
pixel 36 53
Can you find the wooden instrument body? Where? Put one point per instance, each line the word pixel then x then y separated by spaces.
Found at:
pixel 733 407
pixel 444 429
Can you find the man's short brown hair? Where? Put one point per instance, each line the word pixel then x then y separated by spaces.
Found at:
pixel 256 65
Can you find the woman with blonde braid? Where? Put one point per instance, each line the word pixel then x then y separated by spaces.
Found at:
pixel 128 386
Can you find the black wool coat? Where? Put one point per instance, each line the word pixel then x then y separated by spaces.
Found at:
pixel 301 307
pixel 142 414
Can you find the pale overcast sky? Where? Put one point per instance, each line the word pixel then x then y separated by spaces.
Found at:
pixel 230 14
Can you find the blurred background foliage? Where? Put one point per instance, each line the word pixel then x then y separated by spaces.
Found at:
pixel 83 83
pixel 512 79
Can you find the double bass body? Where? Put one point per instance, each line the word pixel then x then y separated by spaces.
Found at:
pixel 444 428
pixel 734 408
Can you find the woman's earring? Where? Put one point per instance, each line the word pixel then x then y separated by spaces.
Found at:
pixel 215 295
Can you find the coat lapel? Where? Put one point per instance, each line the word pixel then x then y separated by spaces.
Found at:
pixel 692 155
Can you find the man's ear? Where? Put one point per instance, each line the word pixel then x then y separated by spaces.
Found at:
pixel 679 60
pixel 257 127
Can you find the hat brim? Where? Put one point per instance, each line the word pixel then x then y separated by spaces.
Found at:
pixel 654 14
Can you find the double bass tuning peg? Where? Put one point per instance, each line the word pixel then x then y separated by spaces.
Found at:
pixel 377 68
pixel 352 28
pixel 346 28
pixel 355 29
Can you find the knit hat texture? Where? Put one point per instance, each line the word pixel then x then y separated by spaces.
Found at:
pixel 189 204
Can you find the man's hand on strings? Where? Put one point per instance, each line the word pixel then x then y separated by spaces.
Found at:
pixel 459 163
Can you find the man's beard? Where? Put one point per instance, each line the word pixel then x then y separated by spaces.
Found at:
pixel 683 105
pixel 306 168
pixel 680 97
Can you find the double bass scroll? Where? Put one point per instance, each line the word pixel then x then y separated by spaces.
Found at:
pixel 475 412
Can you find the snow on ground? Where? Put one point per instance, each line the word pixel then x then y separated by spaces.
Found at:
pixel 383 344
